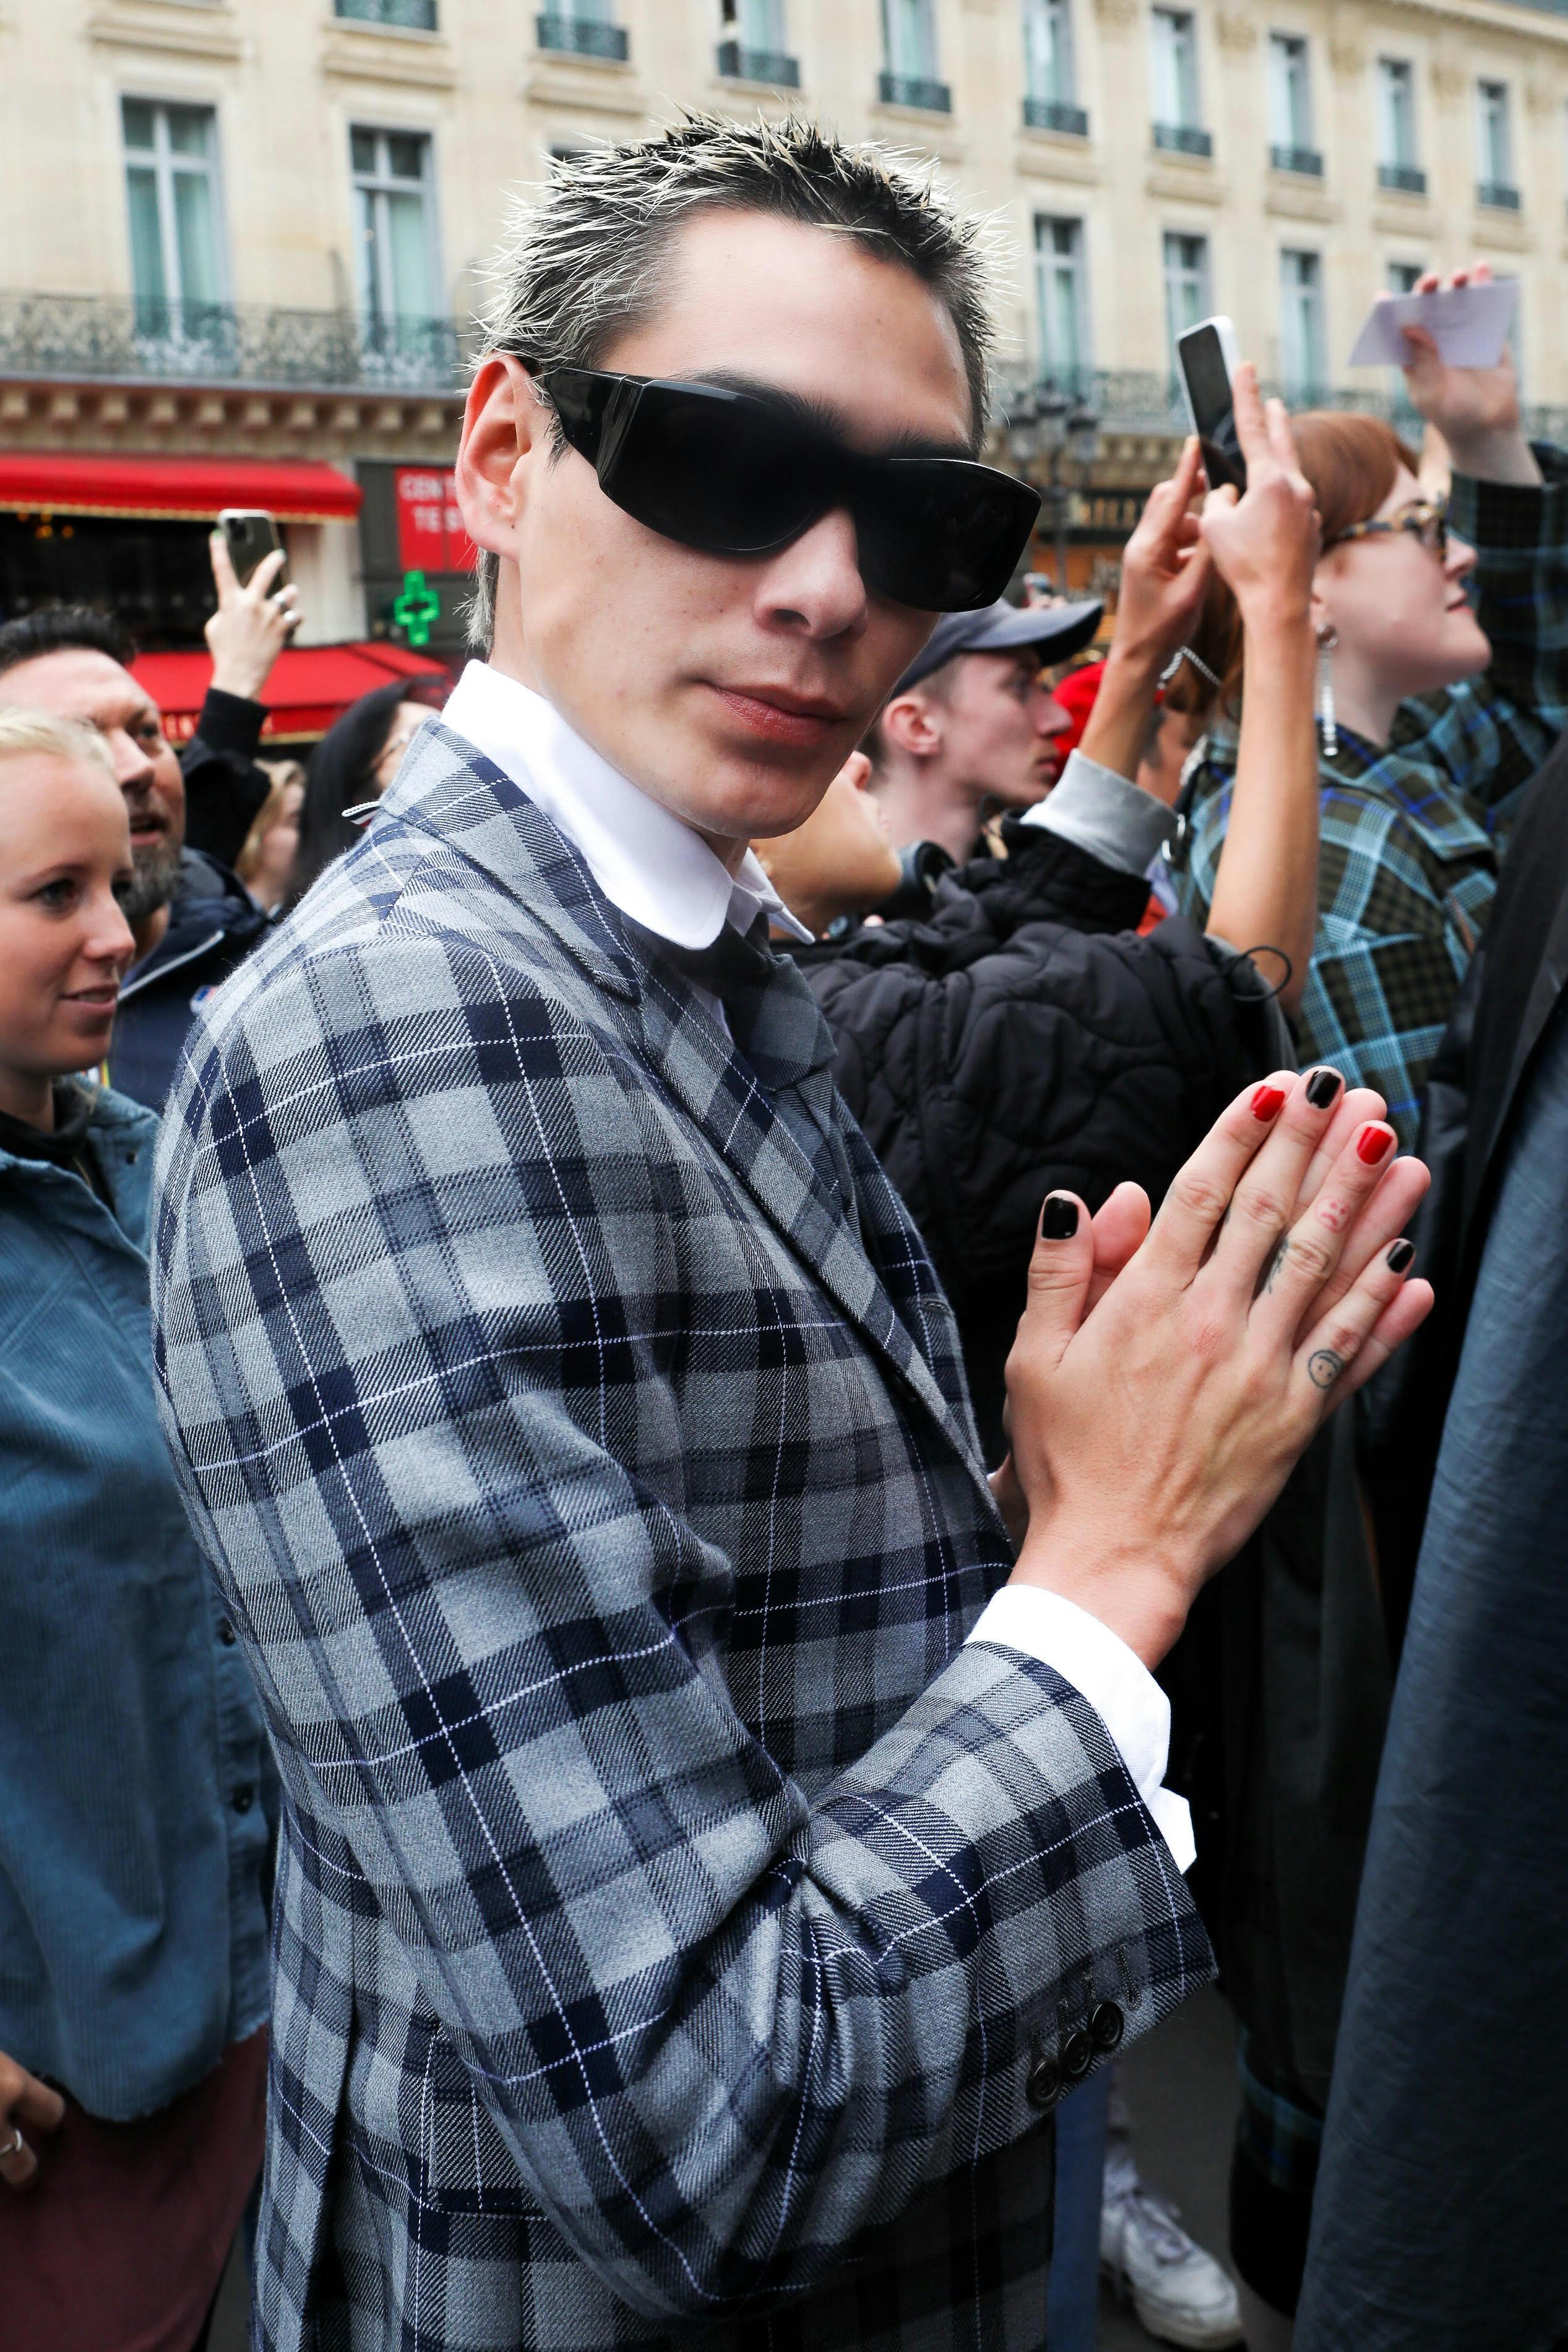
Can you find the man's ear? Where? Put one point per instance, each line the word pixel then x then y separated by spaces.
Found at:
pixel 506 427
pixel 914 724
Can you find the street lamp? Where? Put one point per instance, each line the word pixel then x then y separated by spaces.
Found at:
pixel 1046 425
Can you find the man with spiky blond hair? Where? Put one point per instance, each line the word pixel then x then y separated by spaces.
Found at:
pixel 717 1825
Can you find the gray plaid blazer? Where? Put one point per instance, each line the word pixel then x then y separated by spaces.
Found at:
pixel 678 1932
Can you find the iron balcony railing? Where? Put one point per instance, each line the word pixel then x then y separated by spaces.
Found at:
pixel 1137 400
pixel 1053 114
pixel 582 36
pixel 1498 195
pixel 1404 178
pixel 1307 161
pixel 1183 139
pixel 408 15
pixel 737 63
pixel 105 337
pixel 908 90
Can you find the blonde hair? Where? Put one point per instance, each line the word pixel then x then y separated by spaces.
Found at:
pixel 38 734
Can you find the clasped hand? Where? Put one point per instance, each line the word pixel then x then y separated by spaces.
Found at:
pixel 1166 1376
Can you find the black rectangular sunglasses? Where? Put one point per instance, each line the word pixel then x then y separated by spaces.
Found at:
pixel 730 474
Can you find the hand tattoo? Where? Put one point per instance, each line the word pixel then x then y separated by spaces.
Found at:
pixel 1324 1368
pixel 1275 1259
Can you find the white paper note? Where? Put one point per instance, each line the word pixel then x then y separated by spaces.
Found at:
pixel 1469 323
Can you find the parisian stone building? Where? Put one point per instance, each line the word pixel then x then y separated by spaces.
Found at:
pixel 242 237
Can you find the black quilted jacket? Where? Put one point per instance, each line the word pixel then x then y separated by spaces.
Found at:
pixel 1023 1036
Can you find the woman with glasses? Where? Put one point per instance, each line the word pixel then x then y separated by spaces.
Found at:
pixel 1442 683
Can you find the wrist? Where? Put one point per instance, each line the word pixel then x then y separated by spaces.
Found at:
pixel 1142 1601
pixel 1137 661
pixel 1269 611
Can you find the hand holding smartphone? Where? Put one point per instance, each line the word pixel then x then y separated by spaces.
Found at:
pixel 1209 357
pixel 251 535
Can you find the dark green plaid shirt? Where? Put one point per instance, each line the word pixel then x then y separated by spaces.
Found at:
pixel 1411 835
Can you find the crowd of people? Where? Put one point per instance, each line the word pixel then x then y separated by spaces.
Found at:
pixel 734 1417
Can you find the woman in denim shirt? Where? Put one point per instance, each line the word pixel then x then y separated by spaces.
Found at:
pixel 135 1784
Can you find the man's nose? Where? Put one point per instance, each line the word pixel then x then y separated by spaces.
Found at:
pixel 132 768
pixel 1050 718
pixel 813 584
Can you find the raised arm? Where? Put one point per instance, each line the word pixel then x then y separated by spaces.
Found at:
pixel 1265 545
pixel 1164 572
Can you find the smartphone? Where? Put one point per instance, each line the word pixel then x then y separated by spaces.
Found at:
pixel 251 535
pixel 1209 357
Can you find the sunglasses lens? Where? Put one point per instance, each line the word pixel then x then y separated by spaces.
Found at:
pixel 941 534
pixel 712 471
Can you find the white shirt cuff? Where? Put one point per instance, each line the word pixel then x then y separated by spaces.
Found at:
pixel 1099 811
pixel 1116 1684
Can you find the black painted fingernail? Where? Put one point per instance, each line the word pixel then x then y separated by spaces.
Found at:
pixel 1401 1255
pixel 1322 1088
pixel 1059 1219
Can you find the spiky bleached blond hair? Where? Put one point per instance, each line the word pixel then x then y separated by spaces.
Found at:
pixel 583 259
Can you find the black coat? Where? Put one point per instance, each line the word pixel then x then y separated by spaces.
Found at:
pixel 1023 1038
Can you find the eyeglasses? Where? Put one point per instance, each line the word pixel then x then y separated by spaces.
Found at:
pixel 1427 520
pixel 730 474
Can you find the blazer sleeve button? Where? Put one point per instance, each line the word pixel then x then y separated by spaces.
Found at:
pixel 1077 2056
pixel 1043 2086
pixel 1107 2026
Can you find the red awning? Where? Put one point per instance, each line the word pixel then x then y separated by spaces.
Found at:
pixel 310 686
pixel 173 490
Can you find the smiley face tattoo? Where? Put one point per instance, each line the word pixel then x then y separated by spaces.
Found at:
pixel 1323 1368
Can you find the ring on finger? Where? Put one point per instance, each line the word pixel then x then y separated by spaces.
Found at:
pixel 15 2145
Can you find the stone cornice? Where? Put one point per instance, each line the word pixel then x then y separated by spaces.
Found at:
pixel 192 34
pixel 148 418
pixel 354 52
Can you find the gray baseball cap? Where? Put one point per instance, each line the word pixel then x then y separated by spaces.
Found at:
pixel 1057 630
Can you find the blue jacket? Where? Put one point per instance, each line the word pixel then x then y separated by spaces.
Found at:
pixel 214 923
pixel 135 1782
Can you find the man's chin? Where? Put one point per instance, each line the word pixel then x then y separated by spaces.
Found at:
pixel 156 870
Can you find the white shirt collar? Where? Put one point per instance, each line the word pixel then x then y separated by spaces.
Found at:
pixel 645 859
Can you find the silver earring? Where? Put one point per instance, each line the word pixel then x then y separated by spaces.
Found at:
pixel 1328 638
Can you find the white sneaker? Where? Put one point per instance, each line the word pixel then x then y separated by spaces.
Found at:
pixel 1180 2294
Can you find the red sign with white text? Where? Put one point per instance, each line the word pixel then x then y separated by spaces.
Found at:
pixel 430 534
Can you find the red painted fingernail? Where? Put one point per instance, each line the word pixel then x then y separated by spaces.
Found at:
pixel 1268 1102
pixel 1373 1144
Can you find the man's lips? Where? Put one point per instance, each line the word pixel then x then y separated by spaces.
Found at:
pixel 783 716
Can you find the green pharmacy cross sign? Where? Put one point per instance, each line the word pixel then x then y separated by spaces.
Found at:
pixel 415 610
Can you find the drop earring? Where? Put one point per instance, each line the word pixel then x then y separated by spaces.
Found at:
pixel 1328 638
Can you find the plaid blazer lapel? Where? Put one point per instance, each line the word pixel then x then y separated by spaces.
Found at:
pixel 475 808
pixel 723 1091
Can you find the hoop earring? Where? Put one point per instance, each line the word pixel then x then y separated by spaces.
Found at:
pixel 1328 638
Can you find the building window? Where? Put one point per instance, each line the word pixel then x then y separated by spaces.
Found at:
pixel 1186 282
pixel 1050 101
pixel 393 179
pixel 1397 159
pixel 1301 324
pixel 409 15
pixel 172 197
pixel 1404 275
pixel 1176 114
pixel 1290 147
pixel 753 46
pixel 1494 143
pixel 1063 294
pixel 585 28
pixel 909 76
